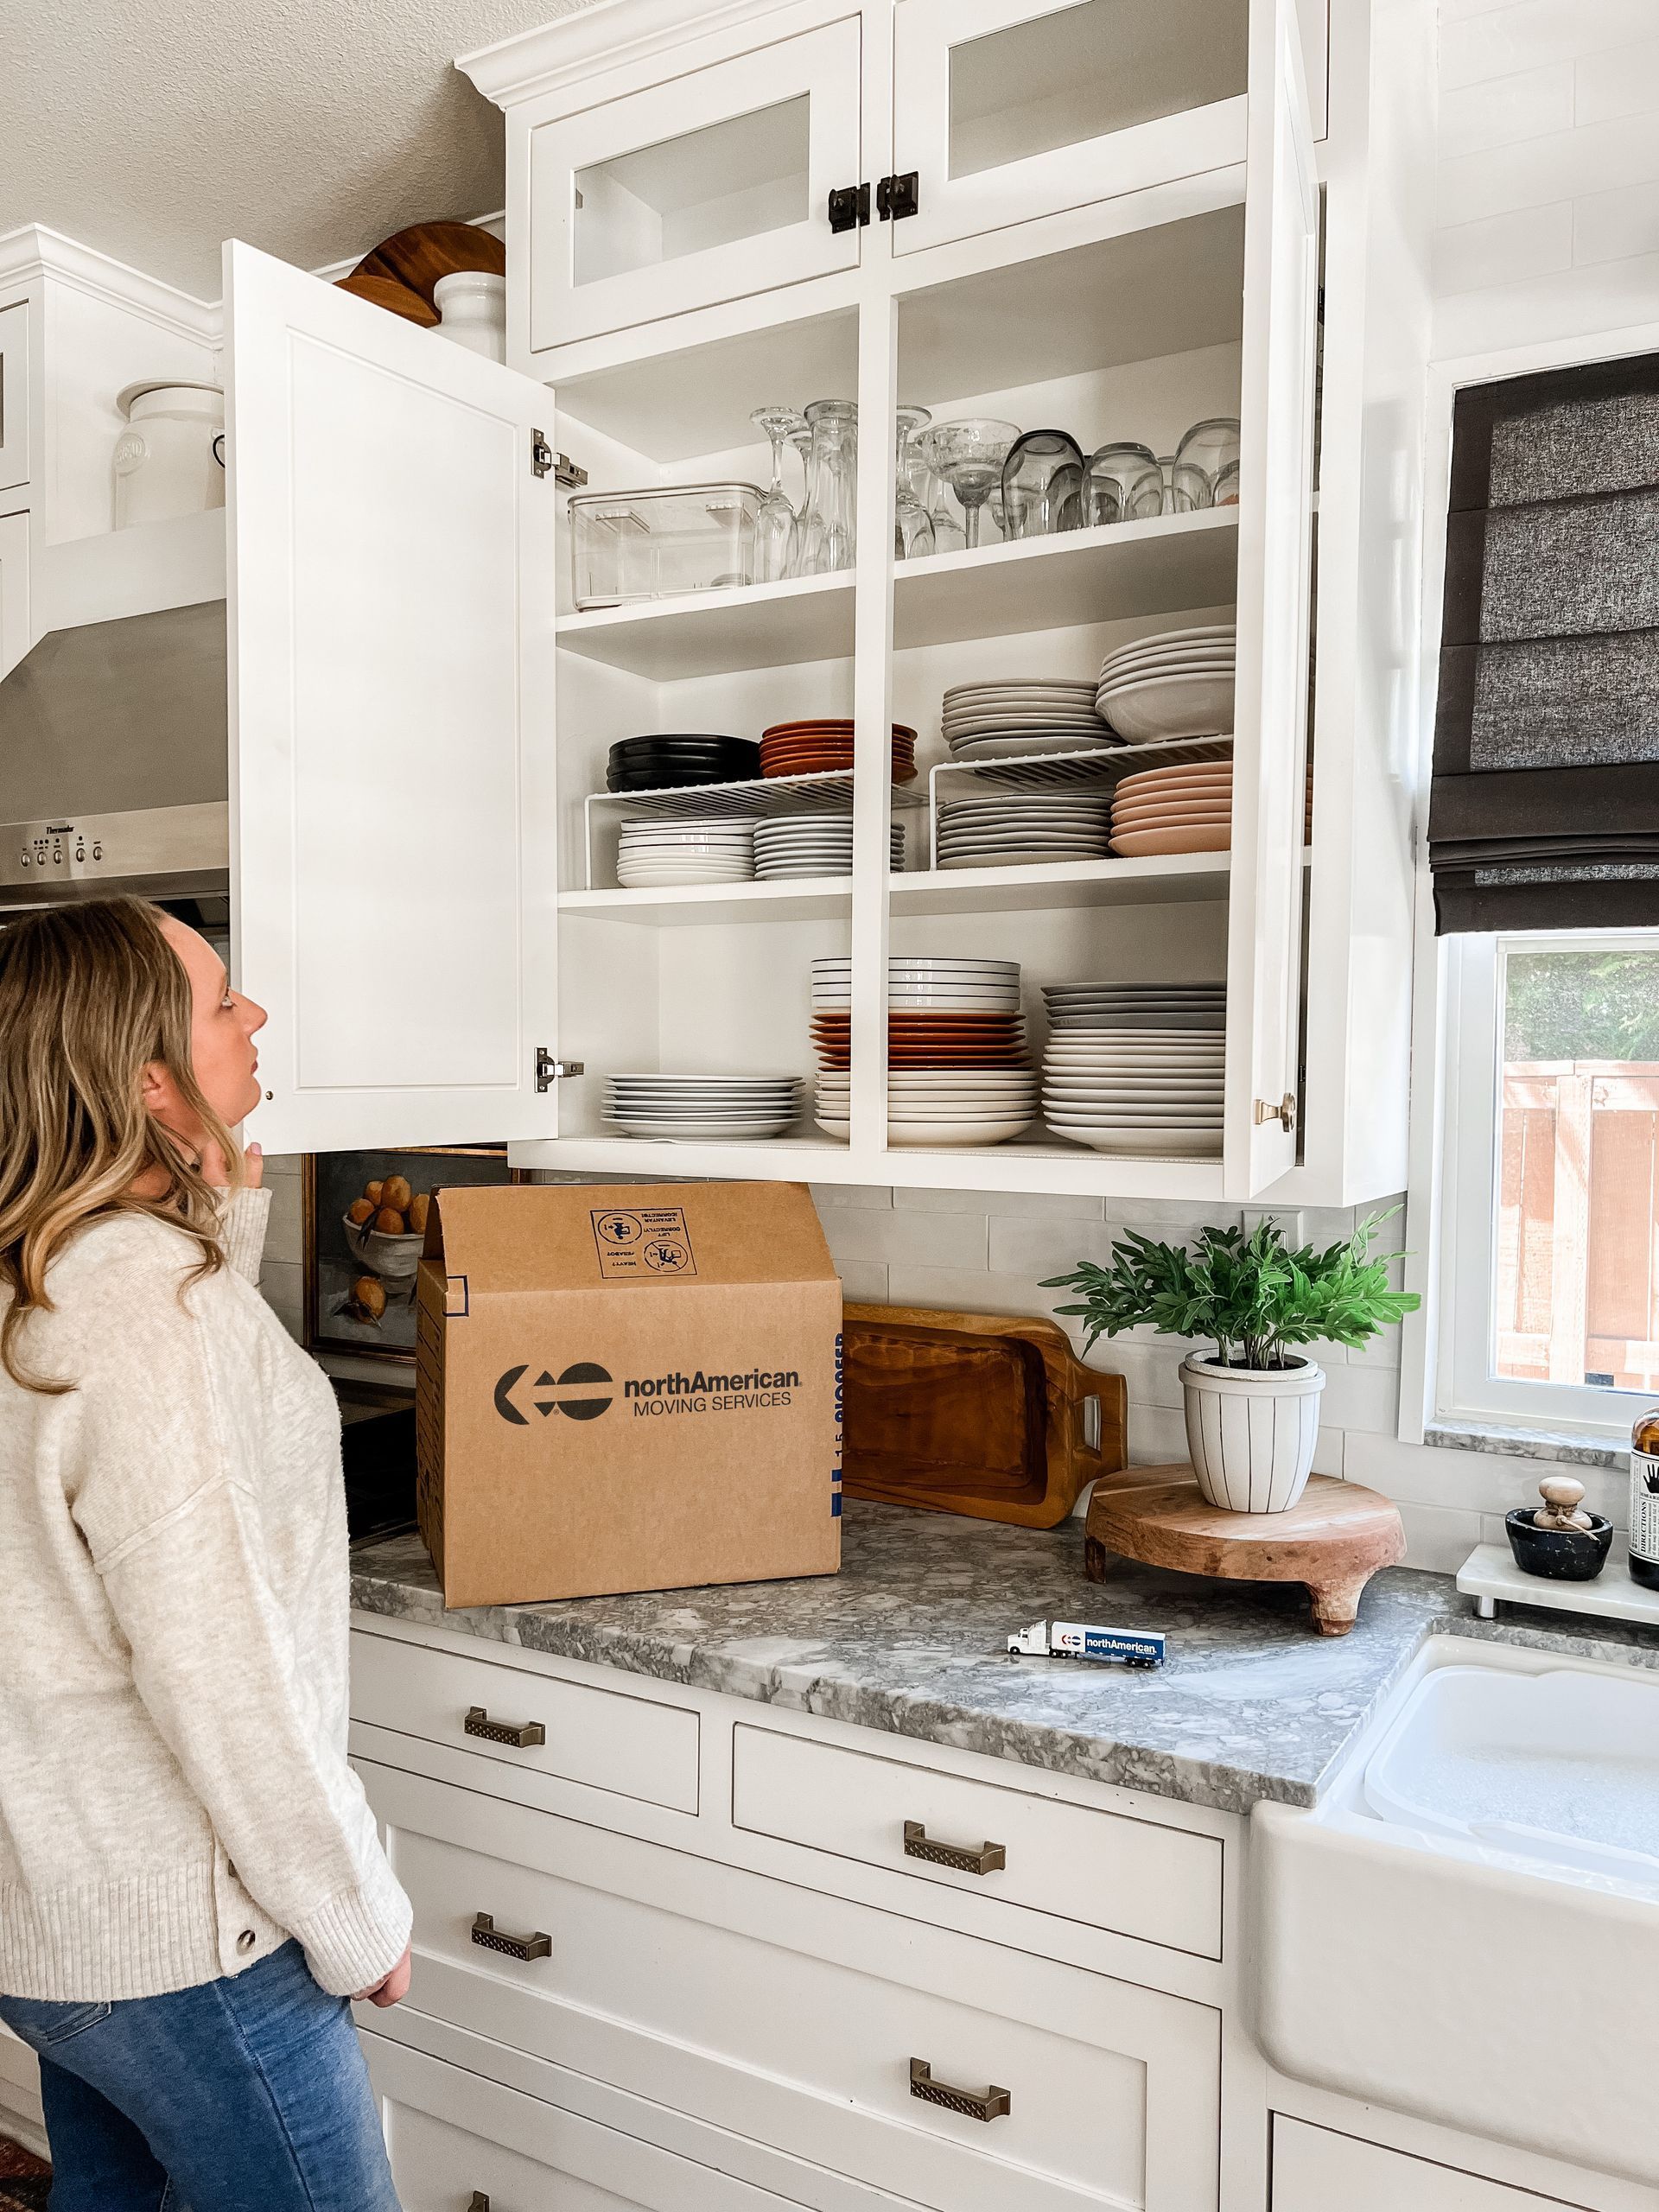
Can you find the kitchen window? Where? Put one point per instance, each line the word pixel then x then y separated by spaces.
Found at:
pixel 1550 1275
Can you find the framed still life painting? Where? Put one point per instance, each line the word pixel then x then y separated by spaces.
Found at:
pixel 364 1226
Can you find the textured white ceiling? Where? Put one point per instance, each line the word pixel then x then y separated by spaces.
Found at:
pixel 155 129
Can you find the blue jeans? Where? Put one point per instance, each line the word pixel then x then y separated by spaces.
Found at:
pixel 248 2095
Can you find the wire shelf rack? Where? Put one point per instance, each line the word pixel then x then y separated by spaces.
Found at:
pixel 1091 769
pixel 828 793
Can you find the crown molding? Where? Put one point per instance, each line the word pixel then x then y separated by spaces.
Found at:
pixel 33 252
pixel 610 33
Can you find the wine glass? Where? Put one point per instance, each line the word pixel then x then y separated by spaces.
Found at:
pixel 1042 481
pixel 912 526
pixel 969 454
pixel 775 526
pixel 829 525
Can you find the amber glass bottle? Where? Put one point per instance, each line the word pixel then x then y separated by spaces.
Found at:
pixel 1644 1499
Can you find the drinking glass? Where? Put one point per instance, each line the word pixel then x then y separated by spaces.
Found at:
pixel 1211 445
pixel 1043 469
pixel 930 488
pixel 970 455
pixel 1115 486
pixel 1188 489
pixel 1225 491
pixel 912 526
pixel 775 526
pixel 828 531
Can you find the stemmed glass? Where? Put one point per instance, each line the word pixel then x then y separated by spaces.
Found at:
pixel 970 455
pixel 912 526
pixel 828 535
pixel 775 526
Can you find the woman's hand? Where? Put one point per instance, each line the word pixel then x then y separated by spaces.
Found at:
pixel 392 1990
pixel 216 1169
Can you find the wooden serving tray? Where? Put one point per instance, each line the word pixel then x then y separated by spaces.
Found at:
pixel 972 1412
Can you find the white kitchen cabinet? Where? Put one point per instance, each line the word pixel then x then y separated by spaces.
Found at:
pixel 1318 2169
pixel 14 397
pixel 14 590
pixel 709 186
pixel 390 594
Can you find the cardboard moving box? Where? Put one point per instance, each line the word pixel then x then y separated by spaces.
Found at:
pixel 626 1387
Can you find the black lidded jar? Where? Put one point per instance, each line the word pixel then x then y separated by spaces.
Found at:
pixel 1644 1499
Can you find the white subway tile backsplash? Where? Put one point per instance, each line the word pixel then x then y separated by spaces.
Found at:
pixel 863 1282
pixel 1613 226
pixel 1496 112
pixel 1032 1203
pixel 1363 1398
pixel 1591 157
pixel 964 1290
pixel 1621 80
pixel 850 1194
pixel 1528 243
pixel 1580 303
pixel 1438 1538
pixel 1529 34
pixel 944 1240
pixel 1043 1246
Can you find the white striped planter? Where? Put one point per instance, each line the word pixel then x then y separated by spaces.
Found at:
pixel 1252 1432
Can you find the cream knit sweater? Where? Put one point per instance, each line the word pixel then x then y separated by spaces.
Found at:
pixel 174 1799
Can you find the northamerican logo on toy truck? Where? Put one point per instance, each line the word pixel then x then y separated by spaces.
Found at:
pixel 1140 1647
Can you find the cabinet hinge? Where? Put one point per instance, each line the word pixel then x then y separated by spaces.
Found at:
pixel 849 207
pixel 898 196
pixel 544 461
pixel 1284 1113
pixel 549 1069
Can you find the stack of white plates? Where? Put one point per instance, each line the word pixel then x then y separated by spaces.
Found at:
pixel 706 848
pixel 1181 809
pixel 699 1108
pixel 925 984
pixel 1054 826
pixel 940 1106
pixel 1137 1067
pixel 1021 715
pixel 1177 684
pixel 811 844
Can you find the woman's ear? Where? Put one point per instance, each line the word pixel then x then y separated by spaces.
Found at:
pixel 156 1090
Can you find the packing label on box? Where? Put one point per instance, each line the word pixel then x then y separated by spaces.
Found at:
pixel 643 1241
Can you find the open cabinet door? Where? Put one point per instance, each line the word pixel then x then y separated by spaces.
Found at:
pixel 1281 229
pixel 392 829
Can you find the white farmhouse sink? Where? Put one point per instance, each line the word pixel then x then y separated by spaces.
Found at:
pixel 1467 1927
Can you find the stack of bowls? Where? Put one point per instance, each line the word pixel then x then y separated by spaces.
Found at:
pixel 1136 1067
pixel 995 832
pixel 702 848
pixel 958 1069
pixel 811 844
pixel 1180 809
pixel 1178 683
pixel 701 1109
pixel 1021 715
pixel 656 764
pixel 825 746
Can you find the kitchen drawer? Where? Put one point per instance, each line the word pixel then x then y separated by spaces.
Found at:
pixel 794 2017
pixel 1316 2170
pixel 607 1739
pixel 454 2138
pixel 1136 1877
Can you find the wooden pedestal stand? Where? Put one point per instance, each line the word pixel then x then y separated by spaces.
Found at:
pixel 1332 1543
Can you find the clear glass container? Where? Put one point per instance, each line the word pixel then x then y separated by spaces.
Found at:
pixel 626 546
pixel 829 535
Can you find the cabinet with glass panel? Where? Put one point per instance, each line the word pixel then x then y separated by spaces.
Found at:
pixel 1003 876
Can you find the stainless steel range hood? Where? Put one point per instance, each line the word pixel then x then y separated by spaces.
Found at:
pixel 114 768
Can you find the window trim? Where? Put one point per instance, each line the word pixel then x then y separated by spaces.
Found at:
pixel 1469 1394
pixel 1425 1398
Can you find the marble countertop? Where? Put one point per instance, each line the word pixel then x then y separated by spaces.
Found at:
pixel 910 1639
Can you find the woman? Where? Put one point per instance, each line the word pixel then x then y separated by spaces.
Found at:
pixel 191 1884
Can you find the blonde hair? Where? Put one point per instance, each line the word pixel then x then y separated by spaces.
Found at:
pixel 89 997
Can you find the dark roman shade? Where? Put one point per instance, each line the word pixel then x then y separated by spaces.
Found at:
pixel 1544 811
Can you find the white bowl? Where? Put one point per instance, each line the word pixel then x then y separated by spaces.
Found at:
pixel 1172 706
pixel 394 1259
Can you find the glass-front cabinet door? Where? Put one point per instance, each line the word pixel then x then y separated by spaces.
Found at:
pixel 710 186
pixel 1008 110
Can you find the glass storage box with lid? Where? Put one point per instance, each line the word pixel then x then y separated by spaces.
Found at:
pixel 628 546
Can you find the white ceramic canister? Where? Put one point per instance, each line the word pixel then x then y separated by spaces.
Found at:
pixel 1250 1431
pixel 171 458
pixel 473 307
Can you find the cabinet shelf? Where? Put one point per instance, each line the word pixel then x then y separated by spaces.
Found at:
pixel 714 632
pixel 804 898
pixel 1034 886
pixel 1108 573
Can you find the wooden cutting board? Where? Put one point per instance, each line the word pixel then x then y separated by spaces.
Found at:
pixel 973 1412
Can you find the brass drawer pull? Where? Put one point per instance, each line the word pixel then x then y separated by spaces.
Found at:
pixel 489 1937
pixel 479 1723
pixel 993 2104
pixel 989 1859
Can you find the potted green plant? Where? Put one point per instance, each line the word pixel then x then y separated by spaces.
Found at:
pixel 1253 1403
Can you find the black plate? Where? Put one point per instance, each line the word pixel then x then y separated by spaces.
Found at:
pixel 629 746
